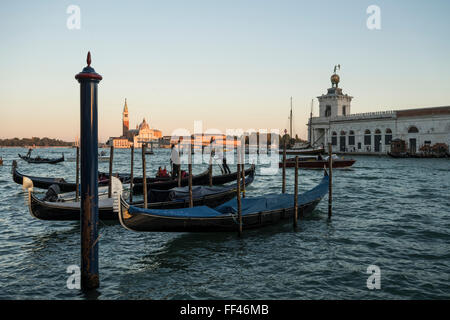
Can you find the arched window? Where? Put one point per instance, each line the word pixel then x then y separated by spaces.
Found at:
pixel 367 138
pixel 388 136
pixel 413 129
pixel 343 133
pixel 378 131
pixel 351 138
pixel 344 110
pixel 334 138
pixel 328 111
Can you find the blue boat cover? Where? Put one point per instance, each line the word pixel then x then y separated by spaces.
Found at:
pixel 249 205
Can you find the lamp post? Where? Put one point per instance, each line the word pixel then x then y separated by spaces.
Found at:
pixel 89 80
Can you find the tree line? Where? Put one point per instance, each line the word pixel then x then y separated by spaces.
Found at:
pixel 34 141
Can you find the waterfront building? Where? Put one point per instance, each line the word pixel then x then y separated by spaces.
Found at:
pixel 373 132
pixel 142 133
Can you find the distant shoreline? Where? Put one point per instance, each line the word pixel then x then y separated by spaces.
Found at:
pixel 36 147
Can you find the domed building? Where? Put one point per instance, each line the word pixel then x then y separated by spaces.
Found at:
pixel 142 133
pixel 373 132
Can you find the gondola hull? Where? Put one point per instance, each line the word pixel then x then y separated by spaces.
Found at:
pixel 217 224
pixel 70 211
pixel 43 160
pixel 45 183
pixel 189 221
pixel 201 179
pixel 319 164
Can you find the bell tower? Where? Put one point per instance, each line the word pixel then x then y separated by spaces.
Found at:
pixel 126 122
pixel 334 103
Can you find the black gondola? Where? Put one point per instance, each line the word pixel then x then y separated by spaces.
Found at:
pixel 70 210
pixel 200 179
pixel 41 160
pixel 256 212
pixel 45 183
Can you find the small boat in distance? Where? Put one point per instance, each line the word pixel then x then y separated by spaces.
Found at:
pixel 38 159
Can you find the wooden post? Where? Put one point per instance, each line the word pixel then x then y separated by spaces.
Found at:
pixel 144 176
pixel 330 177
pixel 283 188
pixel 296 193
pixel 210 170
pixel 179 164
pixel 111 157
pixel 77 176
pixel 243 172
pixel 132 173
pixel 191 201
pixel 238 185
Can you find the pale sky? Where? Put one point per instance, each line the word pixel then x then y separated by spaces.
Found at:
pixel 231 64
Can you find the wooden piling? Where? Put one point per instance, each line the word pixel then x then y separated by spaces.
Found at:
pixel 210 170
pixel 179 163
pixel 330 184
pixel 238 186
pixel 191 200
pixel 111 158
pixel 243 172
pixel 283 188
pixel 296 193
pixel 144 176
pixel 77 176
pixel 132 173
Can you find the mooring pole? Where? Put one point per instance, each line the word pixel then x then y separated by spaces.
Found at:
pixel 179 163
pixel 111 158
pixel 144 176
pixel 89 80
pixel 283 188
pixel 238 186
pixel 296 193
pixel 131 173
pixel 243 171
pixel 77 176
pixel 330 184
pixel 191 202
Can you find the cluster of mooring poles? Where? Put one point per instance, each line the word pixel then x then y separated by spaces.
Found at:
pixel 87 156
pixel 330 185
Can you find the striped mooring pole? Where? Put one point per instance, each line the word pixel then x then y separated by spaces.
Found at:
pixel 89 80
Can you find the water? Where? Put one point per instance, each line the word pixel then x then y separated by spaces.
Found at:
pixel 393 213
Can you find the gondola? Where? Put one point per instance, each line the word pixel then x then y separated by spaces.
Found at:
pixel 257 212
pixel 202 178
pixel 41 160
pixel 70 210
pixel 318 164
pixel 45 183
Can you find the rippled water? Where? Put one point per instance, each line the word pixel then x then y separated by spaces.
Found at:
pixel 393 213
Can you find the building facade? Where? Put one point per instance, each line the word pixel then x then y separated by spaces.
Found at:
pixel 373 132
pixel 142 134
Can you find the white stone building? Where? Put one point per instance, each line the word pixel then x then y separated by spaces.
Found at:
pixel 372 132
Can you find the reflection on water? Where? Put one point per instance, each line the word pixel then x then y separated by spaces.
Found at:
pixel 390 212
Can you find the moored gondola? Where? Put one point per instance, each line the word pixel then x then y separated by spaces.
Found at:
pixel 166 199
pixel 256 212
pixel 41 160
pixel 200 179
pixel 45 183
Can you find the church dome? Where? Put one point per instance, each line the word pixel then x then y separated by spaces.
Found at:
pixel 144 125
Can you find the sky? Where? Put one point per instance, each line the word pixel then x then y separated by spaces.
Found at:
pixel 230 64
